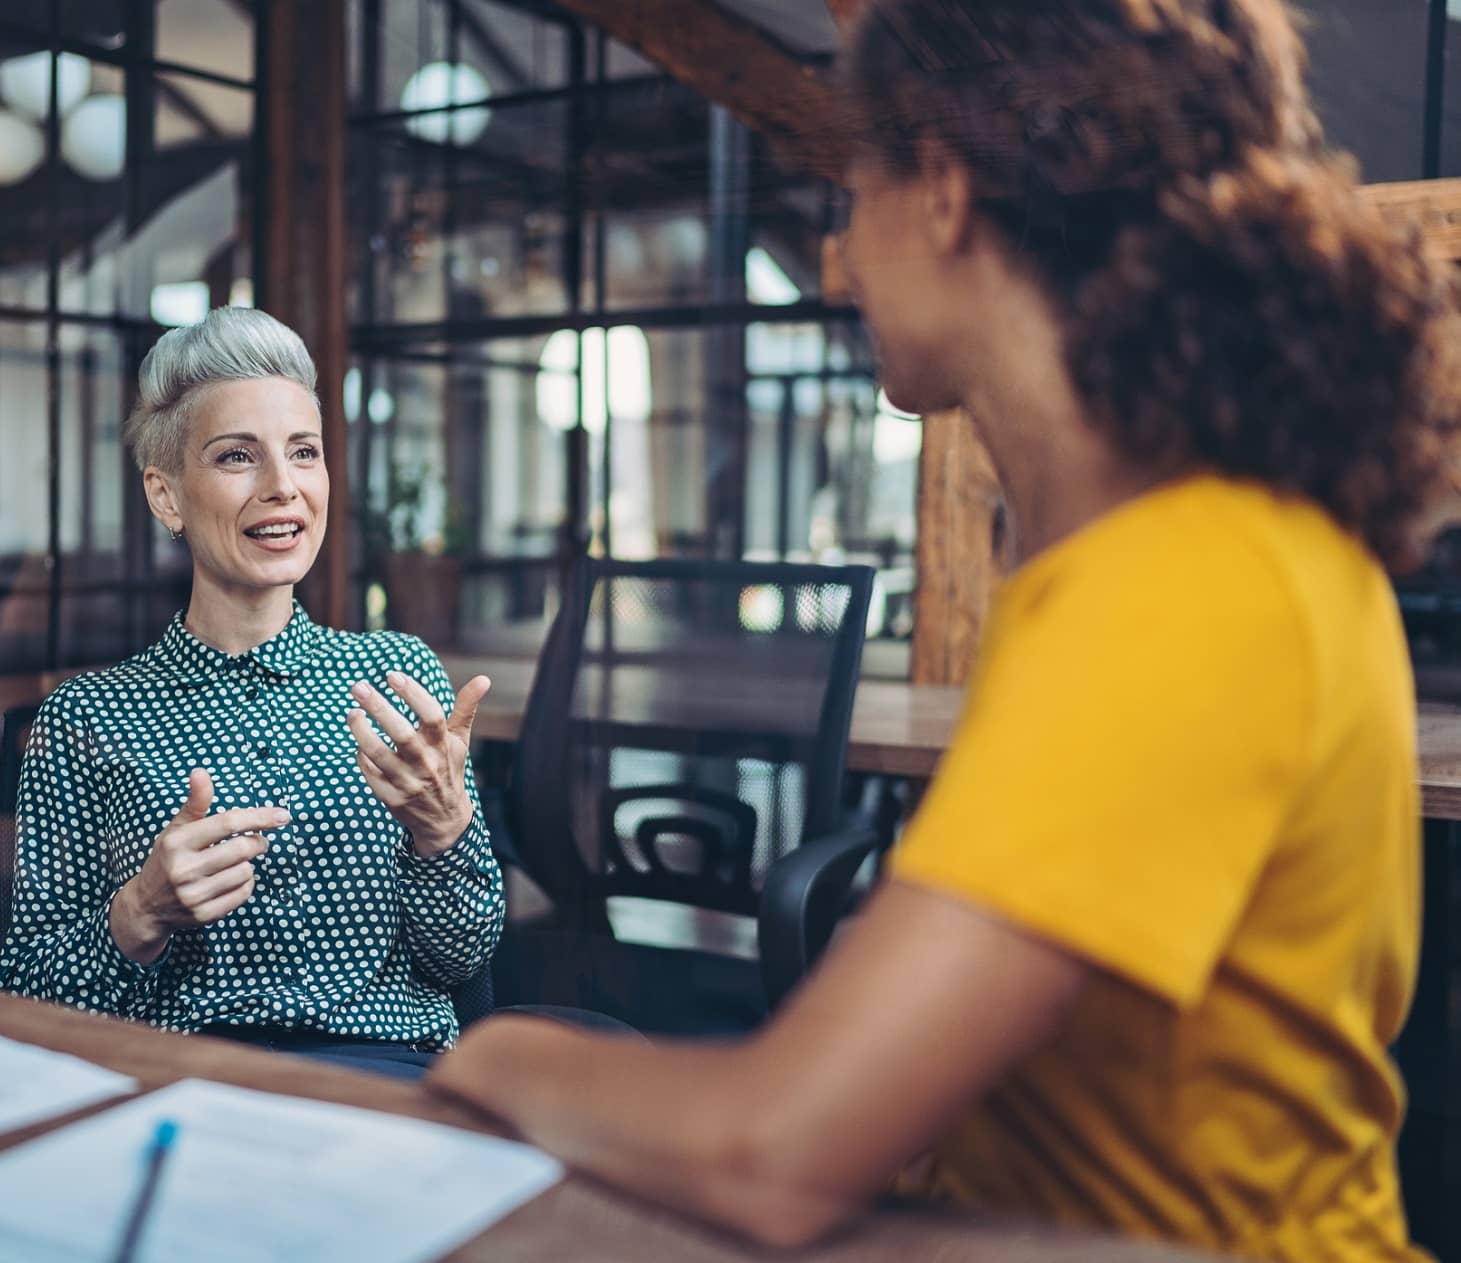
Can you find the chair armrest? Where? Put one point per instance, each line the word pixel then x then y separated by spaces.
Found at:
pixel 801 901
pixel 473 998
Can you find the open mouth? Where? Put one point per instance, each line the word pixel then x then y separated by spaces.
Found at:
pixel 276 532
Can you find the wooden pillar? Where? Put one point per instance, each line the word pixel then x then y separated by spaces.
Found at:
pixel 303 204
pixel 959 551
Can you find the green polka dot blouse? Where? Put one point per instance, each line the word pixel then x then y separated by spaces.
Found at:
pixel 348 931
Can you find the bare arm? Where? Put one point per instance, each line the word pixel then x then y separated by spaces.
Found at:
pixel 917 1010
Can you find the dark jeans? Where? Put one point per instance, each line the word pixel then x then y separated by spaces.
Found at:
pixel 379 1056
pixel 397 1060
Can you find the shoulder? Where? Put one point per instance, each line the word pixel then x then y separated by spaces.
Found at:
pixel 82 695
pixel 1214 568
pixel 384 650
pixel 70 701
pixel 1175 611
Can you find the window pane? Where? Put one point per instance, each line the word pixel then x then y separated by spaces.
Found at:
pixel 24 497
pixel 94 470
pixel 466 230
pixel 516 50
pixel 1451 122
pixel 464 427
pixel 472 413
pixel 622 62
pixel 178 216
pixel 92 225
pixel 24 202
pixel 97 22
pixel 212 35
pixel 1368 75
pixel 501 49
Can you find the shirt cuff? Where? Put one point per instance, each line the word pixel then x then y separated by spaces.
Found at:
pixel 469 856
pixel 126 970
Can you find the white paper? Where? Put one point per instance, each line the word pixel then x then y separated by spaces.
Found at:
pixel 253 1176
pixel 36 1083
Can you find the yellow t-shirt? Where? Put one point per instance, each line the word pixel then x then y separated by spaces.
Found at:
pixel 1188 756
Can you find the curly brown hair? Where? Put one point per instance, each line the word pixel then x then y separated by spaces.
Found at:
pixel 1228 299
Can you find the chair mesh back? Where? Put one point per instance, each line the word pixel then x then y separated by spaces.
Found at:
pixel 708 707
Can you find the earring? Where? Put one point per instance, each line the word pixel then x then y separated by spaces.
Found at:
pixel 176 535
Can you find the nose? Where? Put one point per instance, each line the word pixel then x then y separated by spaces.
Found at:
pixel 277 483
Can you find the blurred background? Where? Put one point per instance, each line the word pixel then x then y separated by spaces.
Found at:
pixel 580 308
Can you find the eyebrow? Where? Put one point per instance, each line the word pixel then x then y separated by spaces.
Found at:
pixel 254 438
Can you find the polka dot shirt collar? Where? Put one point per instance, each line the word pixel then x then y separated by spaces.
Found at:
pixel 283 655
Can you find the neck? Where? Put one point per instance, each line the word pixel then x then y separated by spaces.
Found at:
pixel 1057 471
pixel 234 620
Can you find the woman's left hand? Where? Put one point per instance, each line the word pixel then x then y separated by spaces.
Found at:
pixel 422 781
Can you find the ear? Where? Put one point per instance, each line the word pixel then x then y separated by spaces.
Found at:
pixel 161 498
pixel 948 198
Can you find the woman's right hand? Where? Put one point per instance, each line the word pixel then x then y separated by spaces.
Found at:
pixel 200 869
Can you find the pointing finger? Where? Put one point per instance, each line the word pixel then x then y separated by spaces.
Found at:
pixel 197 835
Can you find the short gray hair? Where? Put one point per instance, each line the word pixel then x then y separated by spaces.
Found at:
pixel 230 344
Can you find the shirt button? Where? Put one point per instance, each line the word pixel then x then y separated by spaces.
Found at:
pixel 252 694
pixel 263 750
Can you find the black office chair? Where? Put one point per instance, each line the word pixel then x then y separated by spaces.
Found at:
pixel 686 730
pixel 15 726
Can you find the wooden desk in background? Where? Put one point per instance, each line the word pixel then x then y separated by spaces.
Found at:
pixel 898 729
pixel 575 1220
pixel 902 729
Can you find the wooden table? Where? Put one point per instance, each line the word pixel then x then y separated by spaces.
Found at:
pixel 896 728
pixel 903 729
pixel 576 1219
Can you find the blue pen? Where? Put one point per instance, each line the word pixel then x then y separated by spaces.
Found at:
pixel 162 1142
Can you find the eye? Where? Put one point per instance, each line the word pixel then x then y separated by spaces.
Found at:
pixel 236 456
pixel 307 452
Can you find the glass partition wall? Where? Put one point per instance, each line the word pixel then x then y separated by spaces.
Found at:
pixel 586 306
pixel 587 315
pixel 127 170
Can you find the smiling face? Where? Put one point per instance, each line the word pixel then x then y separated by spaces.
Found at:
pixel 252 493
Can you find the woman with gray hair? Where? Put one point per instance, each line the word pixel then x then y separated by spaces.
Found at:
pixel 258 827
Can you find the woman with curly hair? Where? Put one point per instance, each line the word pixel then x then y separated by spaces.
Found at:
pixel 1136 962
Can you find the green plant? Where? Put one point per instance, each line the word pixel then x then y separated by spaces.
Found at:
pixel 402 523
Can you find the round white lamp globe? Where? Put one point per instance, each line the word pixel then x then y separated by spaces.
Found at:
pixel 21 147
pixel 440 84
pixel 94 137
pixel 25 83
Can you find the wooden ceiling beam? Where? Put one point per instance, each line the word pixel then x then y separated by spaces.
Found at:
pixel 1434 204
pixel 734 63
